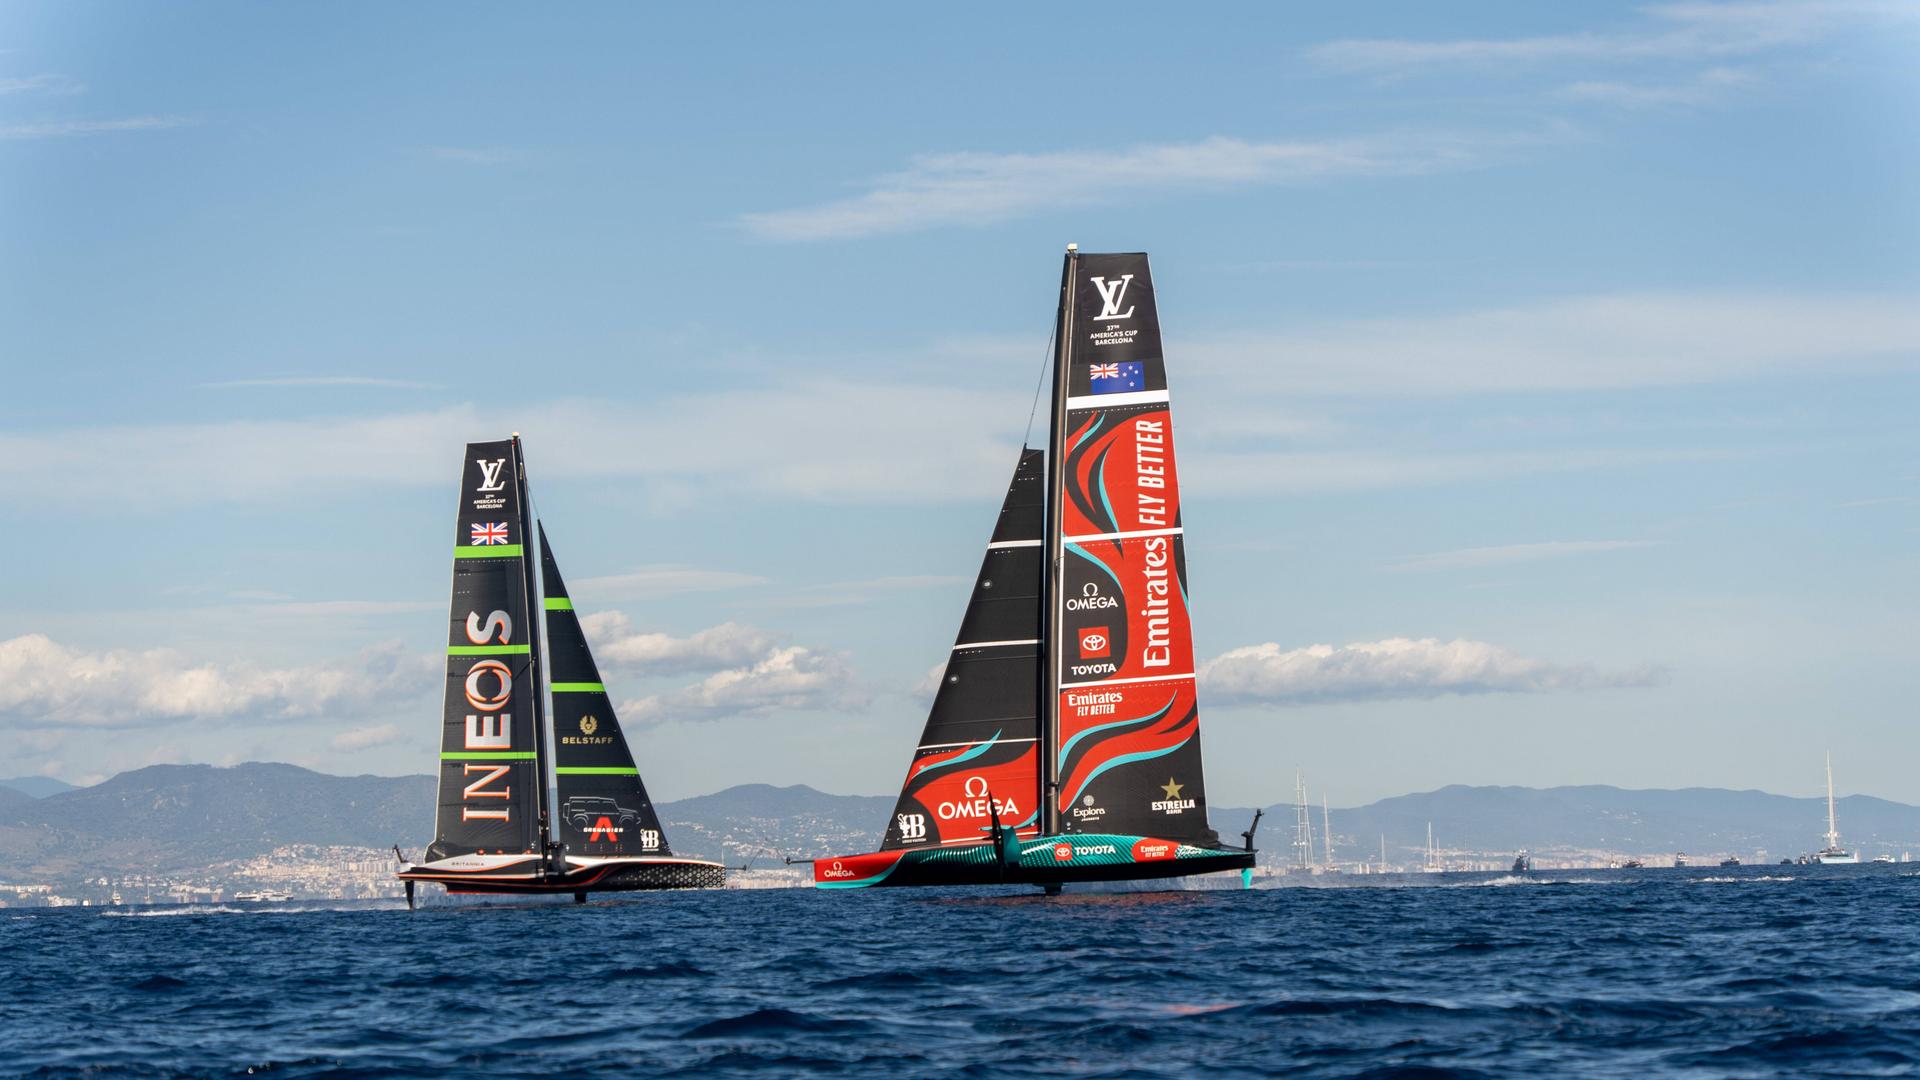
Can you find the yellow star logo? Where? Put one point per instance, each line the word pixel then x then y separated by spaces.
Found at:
pixel 1172 789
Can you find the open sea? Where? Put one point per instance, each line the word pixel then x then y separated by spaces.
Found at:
pixel 1752 972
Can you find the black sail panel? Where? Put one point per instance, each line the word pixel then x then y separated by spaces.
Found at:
pixel 978 755
pixel 489 753
pixel 602 808
pixel 1126 735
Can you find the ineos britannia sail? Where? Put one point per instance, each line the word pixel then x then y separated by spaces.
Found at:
pixel 1064 741
pixel 493 829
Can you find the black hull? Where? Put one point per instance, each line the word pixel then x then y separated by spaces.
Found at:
pixel 631 877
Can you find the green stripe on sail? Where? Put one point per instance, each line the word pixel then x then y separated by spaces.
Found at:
pixel 579 688
pixel 559 603
pixel 488 650
pixel 488 551
pixel 488 755
pixel 596 770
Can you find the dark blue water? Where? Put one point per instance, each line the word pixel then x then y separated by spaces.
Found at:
pixel 1663 973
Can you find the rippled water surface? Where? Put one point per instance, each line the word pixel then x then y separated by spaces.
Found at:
pixel 1758 972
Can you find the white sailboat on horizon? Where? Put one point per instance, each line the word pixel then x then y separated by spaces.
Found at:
pixel 1833 853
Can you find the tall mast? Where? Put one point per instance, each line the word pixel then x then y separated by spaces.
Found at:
pixel 1302 822
pixel 1833 829
pixel 1326 829
pixel 535 666
pixel 1052 612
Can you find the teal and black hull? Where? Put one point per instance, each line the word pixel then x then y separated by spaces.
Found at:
pixel 1047 860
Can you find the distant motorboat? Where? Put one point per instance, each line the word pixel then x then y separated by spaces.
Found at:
pixel 1680 859
pixel 1731 860
pixel 262 897
pixel 1883 858
pixel 1522 863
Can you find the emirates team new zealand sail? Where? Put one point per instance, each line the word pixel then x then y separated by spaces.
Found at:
pixel 493 832
pixel 1064 742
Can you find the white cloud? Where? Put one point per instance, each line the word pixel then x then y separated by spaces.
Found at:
pixel 728 645
pixel 770 441
pixel 977 187
pixel 1394 668
pixel 663 578
pixel 321 380
pixel 41 84
pixel 764 440
pixel 70 128
pixel 1579 343
pixel 1473 558
pixel 1676 32
pixel 362 738
pixel 792 678
pixel 46 684
pixel 1705 88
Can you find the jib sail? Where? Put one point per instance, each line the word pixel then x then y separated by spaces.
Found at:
pixel 978 757
pixel 491 794
pixel 603 808
pixel 1124 742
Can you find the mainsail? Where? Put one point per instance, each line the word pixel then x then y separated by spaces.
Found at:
pixel 602 807
pixel 491 790
pixel 978 757
pixel 1126 733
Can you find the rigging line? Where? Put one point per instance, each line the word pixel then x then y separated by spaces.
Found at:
pixel 1038 384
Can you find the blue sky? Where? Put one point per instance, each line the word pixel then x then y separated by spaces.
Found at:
pixel 1544 376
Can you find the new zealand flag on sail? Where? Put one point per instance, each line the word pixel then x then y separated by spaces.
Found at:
pixel 1117 378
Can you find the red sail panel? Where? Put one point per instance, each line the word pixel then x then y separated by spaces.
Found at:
pixel 1127 731
pixel 978 755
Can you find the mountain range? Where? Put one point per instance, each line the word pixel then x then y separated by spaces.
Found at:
pixel 175 818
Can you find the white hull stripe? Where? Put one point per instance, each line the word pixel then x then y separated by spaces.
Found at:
pixel 976 742
pixel 1109 401
pixel 999 544
pixel 1118 682
pixel 991 644
pixel 1124 535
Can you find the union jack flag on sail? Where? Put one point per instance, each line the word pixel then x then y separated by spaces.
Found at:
pixel 485 533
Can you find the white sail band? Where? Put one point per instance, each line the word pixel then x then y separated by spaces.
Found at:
pixel 1118 682
pixel 991 644
pixel 998 544
pixel 1175 531
pixel 1112 401
pixel 976 742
